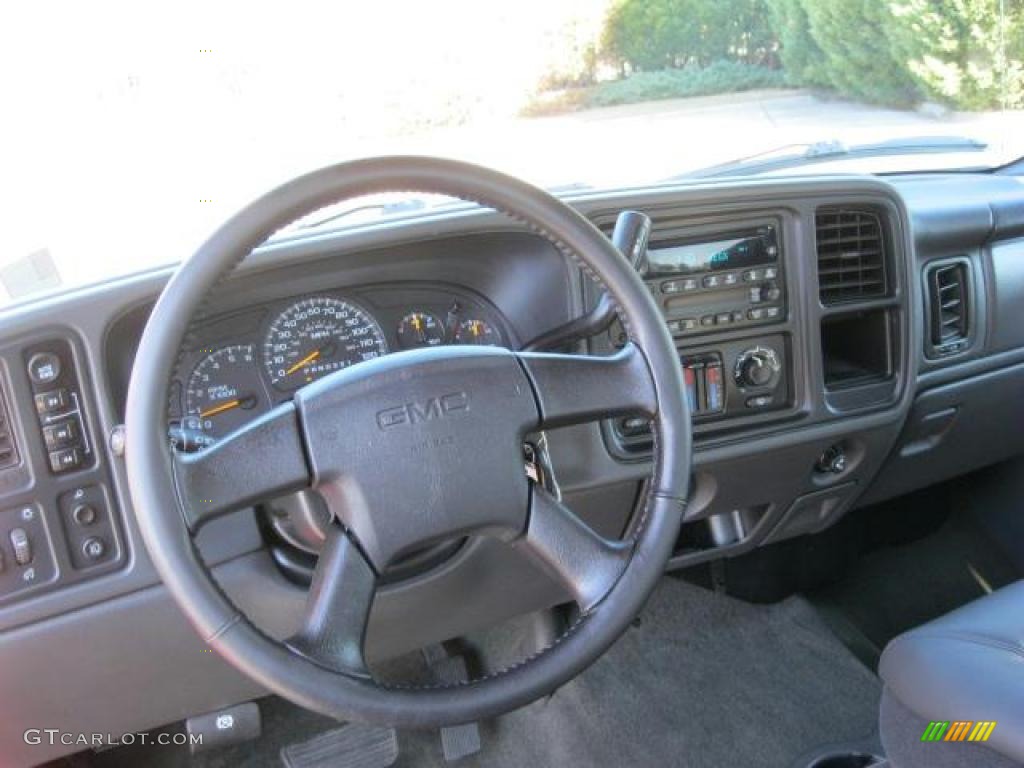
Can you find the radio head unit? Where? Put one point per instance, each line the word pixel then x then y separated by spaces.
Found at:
pixel 712 280
pixel 727 251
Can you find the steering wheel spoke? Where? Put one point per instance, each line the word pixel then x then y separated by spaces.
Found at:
pixel 261 460
pixel 338 607
pixel 588 564
pixel 572 389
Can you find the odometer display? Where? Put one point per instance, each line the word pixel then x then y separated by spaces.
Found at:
pixel 318 336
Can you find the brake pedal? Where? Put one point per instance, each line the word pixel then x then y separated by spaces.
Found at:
pixel 457 741
pixel 353 745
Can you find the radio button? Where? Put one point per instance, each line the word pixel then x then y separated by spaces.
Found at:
pixel 752 275
pixel 689 284
pixel 682 324
pixel 723 318
pixel 737 317
pixel 770 273
pixel 670 286
pixel 755 295
pixel 771 312
pixel 707 320
pixel 730 278
pixel 771 291
pixel 756 313
pixel 712 281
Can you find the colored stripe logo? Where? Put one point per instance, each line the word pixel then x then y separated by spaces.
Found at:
pixel 958 730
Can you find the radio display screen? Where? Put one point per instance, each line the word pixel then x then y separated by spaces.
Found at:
pixel 733 253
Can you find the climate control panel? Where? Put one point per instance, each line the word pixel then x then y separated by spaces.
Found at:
pixel 727 381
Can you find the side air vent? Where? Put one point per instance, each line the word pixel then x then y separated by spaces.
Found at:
pixel 851 255
pixel 948 308
pixel 8 450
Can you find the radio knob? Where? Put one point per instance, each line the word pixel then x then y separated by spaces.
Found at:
pixel 771 291
pixel 756 367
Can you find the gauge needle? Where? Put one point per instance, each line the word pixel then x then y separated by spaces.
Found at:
pixel 303 362
pixel 220 408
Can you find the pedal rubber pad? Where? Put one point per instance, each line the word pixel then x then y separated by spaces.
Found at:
pixel 457 741
pixel 353 745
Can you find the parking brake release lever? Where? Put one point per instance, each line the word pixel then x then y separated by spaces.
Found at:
pixel 630 236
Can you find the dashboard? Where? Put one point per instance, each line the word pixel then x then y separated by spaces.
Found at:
pixel 240 366
pixel 843 340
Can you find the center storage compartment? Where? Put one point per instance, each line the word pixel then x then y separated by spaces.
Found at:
pixel 856 348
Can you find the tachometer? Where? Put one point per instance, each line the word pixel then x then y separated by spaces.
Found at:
pixel 223 390
pixel 318 336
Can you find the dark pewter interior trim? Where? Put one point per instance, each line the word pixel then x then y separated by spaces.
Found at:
pixel 943 215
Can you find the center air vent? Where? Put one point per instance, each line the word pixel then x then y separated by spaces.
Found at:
pixel 948 310
pixel 851 255
pixel 8 451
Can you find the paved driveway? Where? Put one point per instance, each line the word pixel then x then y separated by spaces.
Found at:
pixel 128 185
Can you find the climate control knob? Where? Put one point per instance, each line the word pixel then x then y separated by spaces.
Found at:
pixel 757 367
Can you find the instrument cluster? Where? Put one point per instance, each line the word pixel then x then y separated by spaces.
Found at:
pixel 252 360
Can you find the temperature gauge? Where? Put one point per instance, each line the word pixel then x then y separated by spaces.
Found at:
pixel 420 329
pixel 474 331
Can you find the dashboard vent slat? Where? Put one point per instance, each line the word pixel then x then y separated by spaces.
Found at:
pixel 851 255
pixel 8 449
pixel 947 288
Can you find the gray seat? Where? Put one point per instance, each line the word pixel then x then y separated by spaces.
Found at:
pixel 965 666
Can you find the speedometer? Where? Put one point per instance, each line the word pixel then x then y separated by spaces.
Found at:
pixel 317 336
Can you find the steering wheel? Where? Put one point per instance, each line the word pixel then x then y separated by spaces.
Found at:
pixel 356 435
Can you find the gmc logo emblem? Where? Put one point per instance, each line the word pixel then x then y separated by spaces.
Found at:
pixel 426 410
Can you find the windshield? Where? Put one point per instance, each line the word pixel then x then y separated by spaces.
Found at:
pixel 131 131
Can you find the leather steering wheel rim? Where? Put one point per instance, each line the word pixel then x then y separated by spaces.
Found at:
pixel 155 484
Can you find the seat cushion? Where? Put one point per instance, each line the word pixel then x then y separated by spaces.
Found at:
pixel 966 665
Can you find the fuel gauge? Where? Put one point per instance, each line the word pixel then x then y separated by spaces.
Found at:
pixel 420 329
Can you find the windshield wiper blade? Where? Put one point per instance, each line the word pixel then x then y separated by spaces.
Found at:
pixel 825 151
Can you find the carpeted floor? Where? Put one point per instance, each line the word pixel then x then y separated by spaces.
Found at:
pixel 701 680
pixel 896 588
